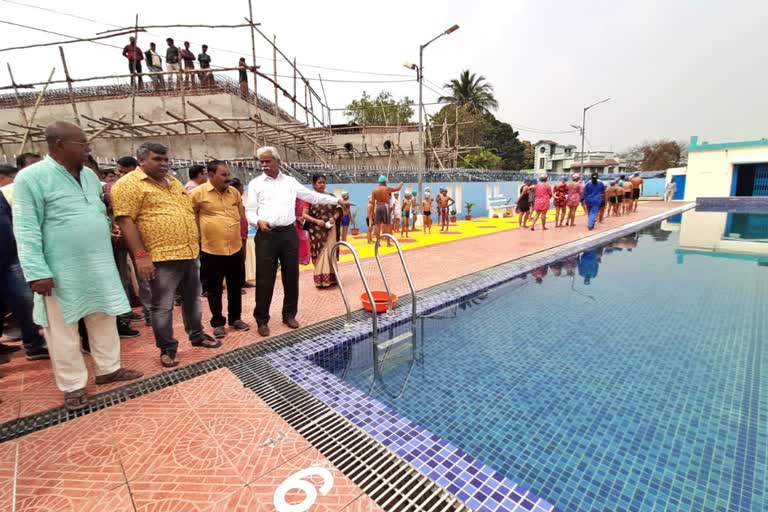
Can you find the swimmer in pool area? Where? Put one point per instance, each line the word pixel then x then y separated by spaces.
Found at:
pixel 407 201
pixel 394 212
pixel 369 219
pixel 637 187
pixel 627 187
pixel 444 203
pixel 619 192
pixel 610 198
pixel 603 204
pixel 345 217
pixel 426 207
pixel 381 214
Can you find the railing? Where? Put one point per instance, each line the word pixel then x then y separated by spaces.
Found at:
pixel 405 269
pixel 334 264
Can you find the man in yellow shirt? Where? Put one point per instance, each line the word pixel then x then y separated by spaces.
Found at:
pixel 219 208
pixel 158 224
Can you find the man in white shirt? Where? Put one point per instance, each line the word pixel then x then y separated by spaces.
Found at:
pixel 270 206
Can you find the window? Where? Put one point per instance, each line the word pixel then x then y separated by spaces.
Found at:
pixel 541 163
pixel 568 151
pixel 543 149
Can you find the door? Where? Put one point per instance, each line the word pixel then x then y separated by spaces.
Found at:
pixel 760 187
pixel 679 180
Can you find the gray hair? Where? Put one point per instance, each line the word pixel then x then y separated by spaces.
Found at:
pixel 268 149
pixel 151 147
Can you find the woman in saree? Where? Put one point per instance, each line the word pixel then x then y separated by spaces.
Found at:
pixel 323 234
pixel 303 236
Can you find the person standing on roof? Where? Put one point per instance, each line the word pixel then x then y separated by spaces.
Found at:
pixel 134 56
pixel 172 61
pixel 189 64
pixel 155 65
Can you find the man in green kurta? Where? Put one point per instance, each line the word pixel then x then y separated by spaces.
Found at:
pixel 63 236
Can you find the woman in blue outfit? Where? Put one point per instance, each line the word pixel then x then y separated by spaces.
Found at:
pixel 593 196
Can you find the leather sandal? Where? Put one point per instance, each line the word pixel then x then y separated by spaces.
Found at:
pixel 76 400
pixel 168 361
pixel 120 374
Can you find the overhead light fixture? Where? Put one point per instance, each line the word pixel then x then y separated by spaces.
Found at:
pixel 452 29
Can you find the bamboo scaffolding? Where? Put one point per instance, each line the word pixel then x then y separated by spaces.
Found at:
pixel 18 96
pixel 69 85
pixel 34 111
pixel 144 28
pixel 58 43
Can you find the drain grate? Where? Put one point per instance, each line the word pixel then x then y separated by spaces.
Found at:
pixel 390 481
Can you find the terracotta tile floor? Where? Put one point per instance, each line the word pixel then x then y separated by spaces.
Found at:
pixel 28 387
pixel 208 444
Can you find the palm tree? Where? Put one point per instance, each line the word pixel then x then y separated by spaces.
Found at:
pixel 472 91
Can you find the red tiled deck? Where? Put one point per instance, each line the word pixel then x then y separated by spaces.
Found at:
pixel 208 444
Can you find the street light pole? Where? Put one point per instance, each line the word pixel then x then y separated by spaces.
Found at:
pixel 420 76
pixel 584 128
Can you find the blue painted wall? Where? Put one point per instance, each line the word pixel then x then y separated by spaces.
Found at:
pixel 474 192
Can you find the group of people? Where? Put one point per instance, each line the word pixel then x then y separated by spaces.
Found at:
pixel 71 234
pixel 619 197
pixel 177 60
pixel 386 213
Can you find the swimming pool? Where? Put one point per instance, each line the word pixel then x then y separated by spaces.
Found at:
pixel 621 379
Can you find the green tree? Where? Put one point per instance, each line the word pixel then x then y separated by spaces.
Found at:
pixel 472 91
pixel 383 110
pixel 479 130
pixel 482 159
pixel 528 154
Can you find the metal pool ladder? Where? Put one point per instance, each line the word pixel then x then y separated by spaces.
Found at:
pixel 335 265
pixel 378 348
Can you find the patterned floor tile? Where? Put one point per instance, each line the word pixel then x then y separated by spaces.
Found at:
pixel 8 452
pixel 115 500
pixel 253 437
pixel 172 493
pixel 244 500
pixel 341 494
pixel 64 466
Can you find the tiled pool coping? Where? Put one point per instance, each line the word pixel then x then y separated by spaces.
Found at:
pixel 474 483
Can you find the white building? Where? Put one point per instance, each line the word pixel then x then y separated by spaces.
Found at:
pixel 723 170
pixel 549 156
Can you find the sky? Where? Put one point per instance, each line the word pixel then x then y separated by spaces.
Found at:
pixel 672 68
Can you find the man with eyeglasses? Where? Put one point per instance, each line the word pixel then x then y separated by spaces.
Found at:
pixel 63 236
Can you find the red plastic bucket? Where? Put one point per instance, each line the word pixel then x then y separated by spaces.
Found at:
pixel 381 300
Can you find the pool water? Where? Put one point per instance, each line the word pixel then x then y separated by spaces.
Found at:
pixel 617 380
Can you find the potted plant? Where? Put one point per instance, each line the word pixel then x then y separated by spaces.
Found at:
pixel 468 206
pixel 353 222
pixel 453 216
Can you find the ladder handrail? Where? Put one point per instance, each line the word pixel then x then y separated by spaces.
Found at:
pixel 334 264
pixel 405 268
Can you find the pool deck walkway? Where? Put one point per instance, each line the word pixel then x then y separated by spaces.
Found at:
pixel 208 443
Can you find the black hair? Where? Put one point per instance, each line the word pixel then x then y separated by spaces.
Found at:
pixel 94 165
pixel 21 160
pixel 205 47
pixel 151 147
pixel 236 183
pixel 169 40
pixel 212 166
pixel 186 42
pixel 7 170
pixel 195 171
pixel 317 176
pixel 127 161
